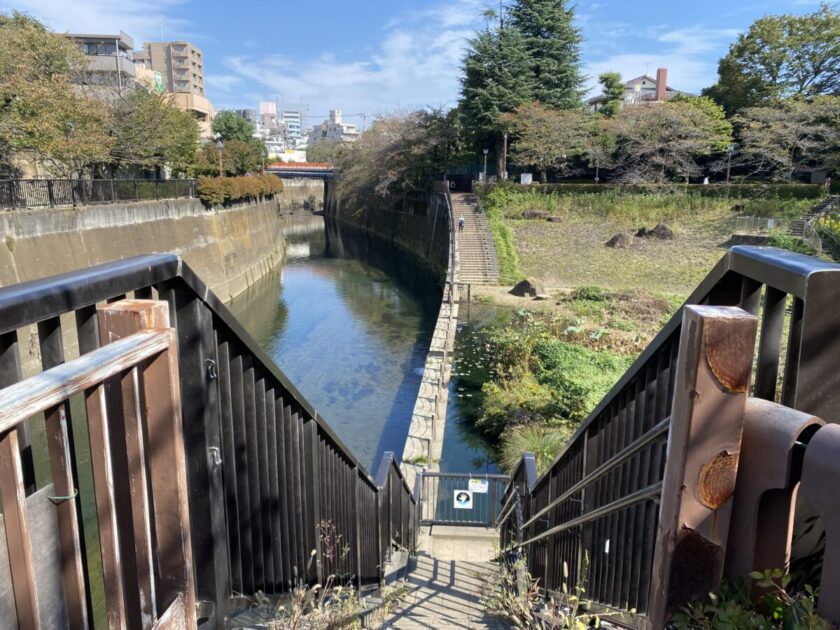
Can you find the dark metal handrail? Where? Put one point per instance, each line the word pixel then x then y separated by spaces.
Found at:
pixel 266 471
pixel 603 489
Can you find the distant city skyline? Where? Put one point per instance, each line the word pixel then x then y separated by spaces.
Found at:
pixel 382 55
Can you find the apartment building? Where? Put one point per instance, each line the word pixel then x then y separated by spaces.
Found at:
pixel 181 65
pixel 334 129
pixel 109 70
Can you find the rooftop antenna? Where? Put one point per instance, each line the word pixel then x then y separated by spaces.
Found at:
pixel 647 68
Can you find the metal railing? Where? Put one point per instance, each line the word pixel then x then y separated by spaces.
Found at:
pixel 763 226
pixel 18 194
pixel 598 504
pixel 460 499
pixel 143 368
pixel 265 471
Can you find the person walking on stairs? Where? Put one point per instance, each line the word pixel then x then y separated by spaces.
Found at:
pixel 461 223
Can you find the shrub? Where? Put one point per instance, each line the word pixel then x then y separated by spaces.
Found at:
pixel 590 292
pixel 739 190
pixel 545 442
pixel 780 238
pixel 217 191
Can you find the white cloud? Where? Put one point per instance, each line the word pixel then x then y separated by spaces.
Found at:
pixel 690 54
pixel 140 19
pixel 223 82
pixel 415 64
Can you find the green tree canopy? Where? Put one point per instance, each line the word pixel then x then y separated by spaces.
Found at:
pixel 548 138
pixel 613 88
pixel 41 114
pixel 238 158
pixel 149 132
pixel 231 126
pixel 496 80
pixel 553 44
pixel 665 141
pixel 781 56
pixel 794 137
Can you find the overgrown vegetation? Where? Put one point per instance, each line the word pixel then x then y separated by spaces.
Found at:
pixel 733 607
pixel 516 598
pixel 218 191
pixel 549 374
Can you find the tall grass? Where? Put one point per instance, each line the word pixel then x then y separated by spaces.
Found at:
pixel 655 207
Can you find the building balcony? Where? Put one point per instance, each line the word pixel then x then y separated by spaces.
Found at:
pixel 111 63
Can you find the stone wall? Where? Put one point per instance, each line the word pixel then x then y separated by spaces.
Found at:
pixel 298 191
pixel 416 225
pixel 229 249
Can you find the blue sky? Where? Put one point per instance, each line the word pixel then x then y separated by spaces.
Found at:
pixel 375 56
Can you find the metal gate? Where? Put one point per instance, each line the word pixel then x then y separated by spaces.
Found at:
pixel 461 499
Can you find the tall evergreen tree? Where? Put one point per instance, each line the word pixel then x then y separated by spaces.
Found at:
pixel 496 80
pixel 553 44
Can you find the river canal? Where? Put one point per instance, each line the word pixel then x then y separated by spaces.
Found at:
pixel 349 319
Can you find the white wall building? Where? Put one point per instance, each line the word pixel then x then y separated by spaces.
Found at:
pixel 334 129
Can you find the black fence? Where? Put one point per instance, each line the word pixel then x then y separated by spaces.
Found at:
pixel 460 499
pixel 269 481
pixel 592 517
pixel 40 193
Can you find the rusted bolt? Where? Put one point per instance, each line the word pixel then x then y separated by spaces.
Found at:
pixel 717 480
pixel 726 345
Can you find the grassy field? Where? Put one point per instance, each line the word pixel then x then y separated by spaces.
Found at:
pixel 572 252
pixel 561 354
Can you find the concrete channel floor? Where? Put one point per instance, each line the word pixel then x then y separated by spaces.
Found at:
pixel 451 569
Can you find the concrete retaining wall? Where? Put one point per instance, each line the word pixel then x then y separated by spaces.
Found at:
pixel 229 249
pixel 416 226
pixel 300 190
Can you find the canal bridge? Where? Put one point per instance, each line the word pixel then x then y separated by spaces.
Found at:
pixel 214 479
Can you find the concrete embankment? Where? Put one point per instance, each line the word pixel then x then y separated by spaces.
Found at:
pixel 230 248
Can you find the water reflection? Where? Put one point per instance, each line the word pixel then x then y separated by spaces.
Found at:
pixel 349 321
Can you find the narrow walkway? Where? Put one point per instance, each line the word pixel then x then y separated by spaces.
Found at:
pixel 477 255
pixel 452 568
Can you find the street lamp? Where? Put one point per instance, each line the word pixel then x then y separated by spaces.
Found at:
pixel 486 151
pixel 219 146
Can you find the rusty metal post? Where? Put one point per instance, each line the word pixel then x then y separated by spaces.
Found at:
pixel 711 384
pixel 765 491
pixel 820 472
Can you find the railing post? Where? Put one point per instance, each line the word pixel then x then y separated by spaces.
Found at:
pixel 820 471
pixel 73 192
pixel 12 194
pixel 355 518
pixel 136 197
pixel 157 189
pixel 202 432
pixel 117 321
pixel 50 195
pixel 113 193
pixel 712 383
pixel 312 478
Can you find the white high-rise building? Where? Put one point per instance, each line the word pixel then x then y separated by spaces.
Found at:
pixel 334 129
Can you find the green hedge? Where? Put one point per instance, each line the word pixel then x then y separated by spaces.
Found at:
pixel 742 191
pixel 217 191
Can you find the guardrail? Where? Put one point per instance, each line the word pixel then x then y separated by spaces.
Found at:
pixel 606 502
pixel 18 194
pixel 265 471
pixel 461 499
pixel 137 371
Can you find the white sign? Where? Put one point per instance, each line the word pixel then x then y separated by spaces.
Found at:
pixel 463 499
pixel 478 486
pixel 526 179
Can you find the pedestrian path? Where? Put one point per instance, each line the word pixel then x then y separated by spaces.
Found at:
pixel 452 569
pixel 476 254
